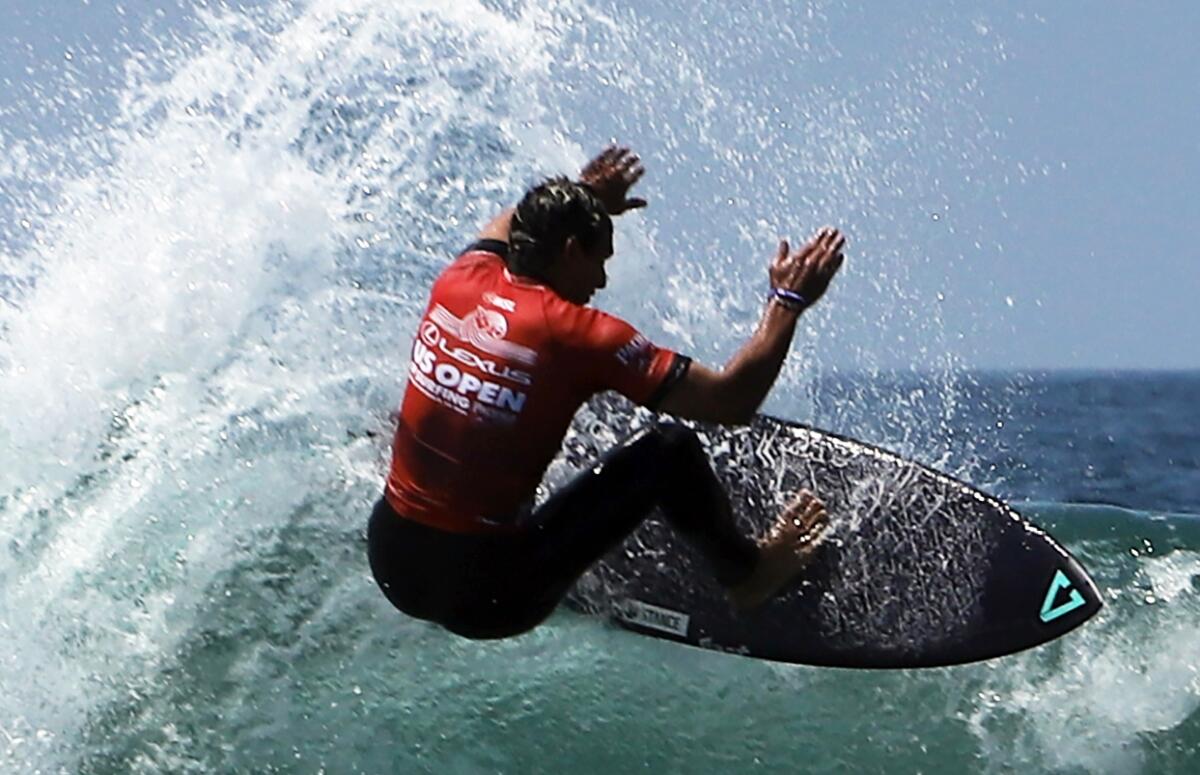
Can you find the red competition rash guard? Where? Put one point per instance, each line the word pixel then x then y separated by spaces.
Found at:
pixel 499 367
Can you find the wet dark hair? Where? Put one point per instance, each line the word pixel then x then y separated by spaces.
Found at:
pixel 550 212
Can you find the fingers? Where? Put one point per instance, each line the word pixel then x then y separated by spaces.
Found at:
pixel 833 256
pixel 617 162
pixel 615 152
pixel 618 156
pixel 822 255
pixel 809 269
pixel 611 153
pixel 611 174
pixel 612 156
pixel 628 165
pixel 827 240
pixel 834 242
pixel 600 160
pixel 836 263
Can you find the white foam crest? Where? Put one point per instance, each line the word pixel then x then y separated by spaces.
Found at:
pixel 162 256
pixel 194 287
pixel 159 284
pixel 208 209
pixel 1086 701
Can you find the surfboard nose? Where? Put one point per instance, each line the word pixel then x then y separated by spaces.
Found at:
pixel 1039 593
pixel 1071 597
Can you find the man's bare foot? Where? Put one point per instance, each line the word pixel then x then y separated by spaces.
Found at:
pixel 784 551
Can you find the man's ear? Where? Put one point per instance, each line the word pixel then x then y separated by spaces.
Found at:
pixel 570 247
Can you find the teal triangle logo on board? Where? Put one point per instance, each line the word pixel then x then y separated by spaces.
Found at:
pixel 1050 612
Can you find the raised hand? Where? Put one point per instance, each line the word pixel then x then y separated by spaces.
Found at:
pixel 610 175
pixel 808 271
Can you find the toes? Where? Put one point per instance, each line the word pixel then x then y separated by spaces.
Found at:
pixel 811 536
pixel 814 513
pixel 804 510
pixel 802 521
pixel 804 499
pixel 800 502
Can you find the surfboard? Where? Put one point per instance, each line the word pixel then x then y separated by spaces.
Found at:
pixel 917 569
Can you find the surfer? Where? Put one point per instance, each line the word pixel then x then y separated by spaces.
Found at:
pixel 506 352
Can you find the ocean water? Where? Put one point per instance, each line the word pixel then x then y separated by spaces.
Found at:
pixel 211 259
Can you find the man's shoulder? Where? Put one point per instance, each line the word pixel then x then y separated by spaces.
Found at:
pixel 581 324
pixel 478 258
pixel 485 249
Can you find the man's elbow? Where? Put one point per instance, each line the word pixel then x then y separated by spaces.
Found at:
pixel 715 397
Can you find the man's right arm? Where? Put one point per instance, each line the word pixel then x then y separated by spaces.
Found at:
pixel 732 395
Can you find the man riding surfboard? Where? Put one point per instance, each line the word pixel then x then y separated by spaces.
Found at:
pixel 506 352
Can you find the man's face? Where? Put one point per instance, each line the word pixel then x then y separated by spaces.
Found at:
pixel 580 270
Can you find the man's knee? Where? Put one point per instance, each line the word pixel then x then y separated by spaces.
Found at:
pixel 681 443
pixel 668 449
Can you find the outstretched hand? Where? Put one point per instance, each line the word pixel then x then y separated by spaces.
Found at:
pixel 809 270
pixel 610 175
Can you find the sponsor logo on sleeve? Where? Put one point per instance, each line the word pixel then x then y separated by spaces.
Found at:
pixel 637 353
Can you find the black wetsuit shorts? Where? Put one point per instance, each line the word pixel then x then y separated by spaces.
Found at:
pixel 500 584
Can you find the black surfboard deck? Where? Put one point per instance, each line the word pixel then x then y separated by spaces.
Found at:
pixel 918 569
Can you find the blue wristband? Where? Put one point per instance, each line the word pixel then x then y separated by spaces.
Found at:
pixel 790 299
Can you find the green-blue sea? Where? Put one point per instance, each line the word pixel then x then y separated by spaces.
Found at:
pixel 213 251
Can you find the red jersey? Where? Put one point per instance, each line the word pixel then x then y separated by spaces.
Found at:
pixel 499 367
